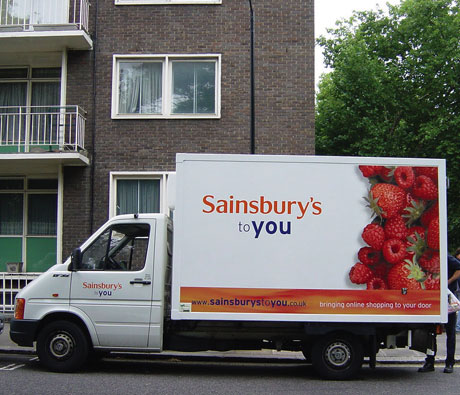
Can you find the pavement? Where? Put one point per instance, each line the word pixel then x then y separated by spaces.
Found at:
pixel 397 356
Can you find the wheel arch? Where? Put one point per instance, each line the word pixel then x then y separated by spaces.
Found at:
pixel 71 317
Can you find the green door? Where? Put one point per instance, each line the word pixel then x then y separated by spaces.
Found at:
pixel 28 223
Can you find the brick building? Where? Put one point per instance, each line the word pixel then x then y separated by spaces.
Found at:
pixel 96 99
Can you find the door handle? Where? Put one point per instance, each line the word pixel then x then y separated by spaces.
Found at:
pixel 140 281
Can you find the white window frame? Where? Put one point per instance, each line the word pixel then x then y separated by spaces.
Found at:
pixel 138 175
pixel 166 2
pixel 167 61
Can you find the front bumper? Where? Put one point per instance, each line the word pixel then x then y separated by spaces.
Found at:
pixel 23 332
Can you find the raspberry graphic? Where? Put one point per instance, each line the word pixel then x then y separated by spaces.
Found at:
pixel 430 261
pixel 374 235
pixel 404 177
pixel 394 251
pixel 395 228
pixel 360 274
pixel 376 283
pixel 369 256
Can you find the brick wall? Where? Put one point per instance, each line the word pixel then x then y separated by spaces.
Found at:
pixel 284 90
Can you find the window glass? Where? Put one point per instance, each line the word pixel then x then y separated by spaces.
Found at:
pixel 51 183
pixel 121 247
pixel 46 72
pixel 42 214
pixel 140 88
pixel 14 73
pixel 138 196
pixel 11 213
pixel 8 184
pixel 193 87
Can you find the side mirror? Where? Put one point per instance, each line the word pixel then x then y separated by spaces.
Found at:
pixel 75 260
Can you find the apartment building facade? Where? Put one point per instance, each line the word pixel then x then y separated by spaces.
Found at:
pixel 96 100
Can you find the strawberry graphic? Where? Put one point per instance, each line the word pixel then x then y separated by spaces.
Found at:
pixel 387 200
pixel 374 235
pixel 415 244
pixel 360 274
pixel 414 209
pixel 404 177
pixel 431 213
pixel 376 283
pixel 432 236
pixel 395 228
pixel 425 188
pixel 407 275
pixel 369 256
pixel 430 262
pixel 394 250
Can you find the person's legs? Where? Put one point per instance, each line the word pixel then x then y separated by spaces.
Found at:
pixel 450 342
pixel 430 354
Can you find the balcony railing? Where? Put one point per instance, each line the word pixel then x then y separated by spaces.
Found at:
pixel 48 128
pixel 34 14
pixel 10 285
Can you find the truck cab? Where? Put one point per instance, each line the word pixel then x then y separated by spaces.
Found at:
pixel 110 287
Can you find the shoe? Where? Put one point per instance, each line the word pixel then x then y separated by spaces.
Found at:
pixel 449 369
pixel 428 367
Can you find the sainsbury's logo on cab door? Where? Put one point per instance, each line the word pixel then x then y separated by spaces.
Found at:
pixel 102 289
pixel 262 205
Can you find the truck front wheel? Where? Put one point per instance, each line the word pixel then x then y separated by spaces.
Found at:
pixel 62 346
pixel 337 356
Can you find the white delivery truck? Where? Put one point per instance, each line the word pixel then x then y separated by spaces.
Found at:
pixel 336 257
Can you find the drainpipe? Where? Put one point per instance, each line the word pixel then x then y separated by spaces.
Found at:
pixel 253 115
pixel 93 134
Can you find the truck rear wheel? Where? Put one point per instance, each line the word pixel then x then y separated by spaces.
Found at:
pixel 337 356
pixel 62 346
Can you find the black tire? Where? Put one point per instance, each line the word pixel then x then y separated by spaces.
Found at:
pixel 62 346
pixel 337 356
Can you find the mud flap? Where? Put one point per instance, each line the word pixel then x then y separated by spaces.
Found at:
pixel 423 339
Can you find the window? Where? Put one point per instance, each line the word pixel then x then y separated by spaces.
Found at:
pixel 166 2
pixel 28 222
pixel 29 90
pixel 166 86
pixel 28 207
pixel 138 192
pixel 121 247
pixel 138 196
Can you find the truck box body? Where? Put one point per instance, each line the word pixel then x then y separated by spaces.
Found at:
pixel 274 238
pixel 260 252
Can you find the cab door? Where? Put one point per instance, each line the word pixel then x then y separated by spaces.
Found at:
pixel 114 282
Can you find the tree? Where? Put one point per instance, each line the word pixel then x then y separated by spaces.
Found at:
pixel 394 89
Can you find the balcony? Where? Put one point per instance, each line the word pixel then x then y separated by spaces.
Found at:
pixel 44 25
pixel 49 134
pixel 42 128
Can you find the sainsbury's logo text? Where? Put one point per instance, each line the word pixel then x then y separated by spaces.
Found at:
pixel 102 289
pixel 262 205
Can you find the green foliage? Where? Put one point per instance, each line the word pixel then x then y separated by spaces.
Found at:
pixel 394 89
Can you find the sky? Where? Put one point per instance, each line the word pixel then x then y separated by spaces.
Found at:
pixel 327 12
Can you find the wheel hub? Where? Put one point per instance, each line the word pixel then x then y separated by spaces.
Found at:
pixel 61 345
pixel 338 354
